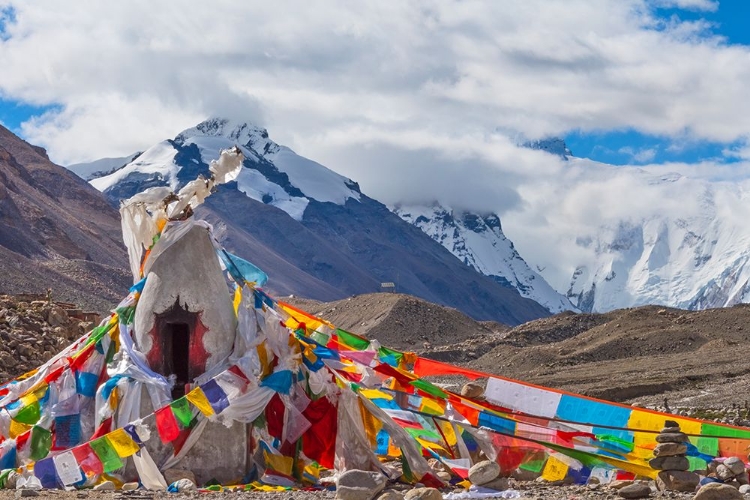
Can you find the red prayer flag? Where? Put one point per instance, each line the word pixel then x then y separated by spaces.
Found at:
pixel 88 460
pixel 167 425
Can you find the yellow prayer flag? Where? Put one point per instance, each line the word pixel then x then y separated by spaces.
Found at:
pixel 279 463
pixel 17 428
pixel 200 401
pixel 29 399
pixel 432 406
pixel 237 299
pixel 375 394
pixel 554 470
pixel 122 443
pixel 448 432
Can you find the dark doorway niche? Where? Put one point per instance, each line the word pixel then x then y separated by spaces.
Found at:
pixel 175 335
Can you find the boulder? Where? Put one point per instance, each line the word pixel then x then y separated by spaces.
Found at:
pixel 472 390
pixel 174 475
pixel 524 475
pixel 423 494
pixel 669 463
pixel 620 483
pixel 635 490
pixel 675 480
pixel 57 316
pixel 718 491
pixel 484 472
pixel 670 449
pixel 736 465
pixel 672 437
pixel 359 485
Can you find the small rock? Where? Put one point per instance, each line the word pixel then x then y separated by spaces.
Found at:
pixel 745 489
pixel 130 486
pixel 184 484
pixel 672 437
pixel 669 463
pixel 423 494
pixel 472 390
pixel 736 465
pixel 26 493
pixel 10 481
pixel 635 490
pixel 483 472
pixel 670 449
pixel 359 485
pixel 524 475
pixel 444 476
pixel 497 484
pixel 620 483
pixel 391 495
pixel 723 472
pixel 718 491
pixel 105 486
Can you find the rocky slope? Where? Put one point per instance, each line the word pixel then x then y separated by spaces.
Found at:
pixel 313 231
pixel 56 231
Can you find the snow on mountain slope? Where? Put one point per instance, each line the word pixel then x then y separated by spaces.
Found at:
pixel 613 237
pixel 274 174
pixel 479 242
pixel 102 166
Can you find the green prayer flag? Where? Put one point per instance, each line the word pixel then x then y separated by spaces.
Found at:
pixel 351 340
pixel 384 352
pixel 41 442
pixel 429 388
pixel 182 412
pixel 28 414
pixel 720 430
pixel 107 455
pixel 126 314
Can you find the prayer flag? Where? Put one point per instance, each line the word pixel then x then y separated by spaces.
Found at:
pixel 280 381
pixel 107 454
pixel 167 425
pixel 67 431
pixel 67 468
pixel 41 442
pixel 215 395
pixel 198 399
pixel 88 460
pixel 44 470
pixel 351 340
pixel 182 412
pixel 122 443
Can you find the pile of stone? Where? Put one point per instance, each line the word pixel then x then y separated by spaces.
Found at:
pixel 670 459
pixel 31 332
pixel 731 471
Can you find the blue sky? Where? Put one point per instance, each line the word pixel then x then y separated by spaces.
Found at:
pixel 629 146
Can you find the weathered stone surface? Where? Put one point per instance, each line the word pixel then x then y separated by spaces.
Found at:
pixel 443 475
pixel 670 449
pixel 57 316
pixel 423 494
pixel 497 484
pixel 472 390
pixel 105 486
pixel 723 472
pixel 718 491
pixel 483 472
pixel 736 465
pixel 675 480
pixel 129 486
pixel 391 495
pixel 635 490
pixel 741 478
pixel 745 489
pixel 669 463
pixel 359 485
pixel 672 437
pixel 174 475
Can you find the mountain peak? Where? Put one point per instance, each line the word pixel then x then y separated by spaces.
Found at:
pixel 552 145
pixel 240 132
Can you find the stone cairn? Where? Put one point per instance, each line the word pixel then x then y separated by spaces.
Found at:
pixel 670 460
pixel 731 471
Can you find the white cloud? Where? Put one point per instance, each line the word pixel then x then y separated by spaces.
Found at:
pixel 700 5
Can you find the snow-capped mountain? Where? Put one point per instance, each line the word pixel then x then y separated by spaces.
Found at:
pixel 313 230
pixel 479 241
pixel 697 257
pixel 100 167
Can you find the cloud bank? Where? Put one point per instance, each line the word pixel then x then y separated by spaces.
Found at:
pixel 417 101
